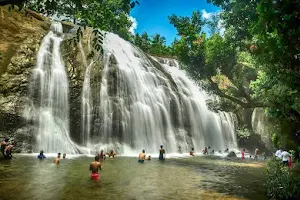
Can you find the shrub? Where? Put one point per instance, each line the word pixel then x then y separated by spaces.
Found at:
pixel 282 183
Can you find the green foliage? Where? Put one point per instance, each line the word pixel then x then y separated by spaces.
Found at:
pixel 155 45
pixel 107 15
pixel 282 183
pixel 276 140
pixel 98 40
pixel 243 133
pixel 219 55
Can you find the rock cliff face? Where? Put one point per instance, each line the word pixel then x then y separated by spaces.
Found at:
pixel 21 34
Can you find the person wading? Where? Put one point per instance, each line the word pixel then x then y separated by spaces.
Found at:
pixel 94 167
pixel 56 160
pixel 161 153
pixel 142 157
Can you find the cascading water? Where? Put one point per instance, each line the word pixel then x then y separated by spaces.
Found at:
pixel 143 104
pixel 49 90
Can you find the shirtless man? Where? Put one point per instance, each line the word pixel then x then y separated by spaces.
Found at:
pixel 3 145
pixel 94 166
pixel 161 153
pixel 142 157
pixel 7 151
pixel 56 160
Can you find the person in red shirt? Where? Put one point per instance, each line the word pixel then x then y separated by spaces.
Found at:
pixel 243 154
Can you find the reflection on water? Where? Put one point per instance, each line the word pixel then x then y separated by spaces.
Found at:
pixel 25 177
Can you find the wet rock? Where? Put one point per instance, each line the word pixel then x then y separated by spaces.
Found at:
pixel 231 154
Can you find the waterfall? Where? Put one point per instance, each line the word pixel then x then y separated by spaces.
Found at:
pixel 140 102
pixel 49 89
pixel 86 100
pixel 144 103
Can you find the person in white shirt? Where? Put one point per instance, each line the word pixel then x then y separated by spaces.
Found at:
pixel 278 153
pixel 285 158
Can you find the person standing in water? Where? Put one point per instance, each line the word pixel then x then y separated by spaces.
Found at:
pixel 56 160
pixel 7 151
pixel 256 153
pixel 94 167
pixel 3 145
pixel 192 152
pixel 205 151
pixel 64 155
pixel 101 156
pixel 161 153
pixel 243 154
pixel 179 149
pixel 142 157
pixel 41 155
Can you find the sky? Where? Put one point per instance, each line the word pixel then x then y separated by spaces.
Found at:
pixel 151 16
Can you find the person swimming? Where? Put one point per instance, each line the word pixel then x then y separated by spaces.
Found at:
pixel 192 152
pixel 149 158
pixel 142 157
pixel 226 151
pixel 94 167
pixel 56 160
pixel 161 153
pixel 41 155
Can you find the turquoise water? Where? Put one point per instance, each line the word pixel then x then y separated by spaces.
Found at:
pixel 26 177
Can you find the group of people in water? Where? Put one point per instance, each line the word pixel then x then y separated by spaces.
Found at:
pixel 97 164
pixel 205 151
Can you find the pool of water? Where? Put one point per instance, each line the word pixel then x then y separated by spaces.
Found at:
pixel 25 177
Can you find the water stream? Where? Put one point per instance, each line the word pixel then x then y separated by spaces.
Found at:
pixel 144 103
pixel 49 96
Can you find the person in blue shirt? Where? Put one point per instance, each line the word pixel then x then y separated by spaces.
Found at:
pixel 41 155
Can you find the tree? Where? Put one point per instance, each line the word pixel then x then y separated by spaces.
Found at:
pixel 107 15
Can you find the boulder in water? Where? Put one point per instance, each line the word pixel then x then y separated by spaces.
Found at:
pixel 231 154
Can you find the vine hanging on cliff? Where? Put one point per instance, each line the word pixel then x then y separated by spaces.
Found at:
pixel 77 38
pixel 97 42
